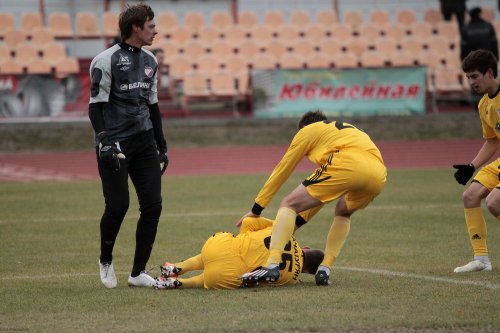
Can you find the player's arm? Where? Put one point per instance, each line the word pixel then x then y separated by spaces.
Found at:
pixel 255 223
pixel 466 171
pixel 161 143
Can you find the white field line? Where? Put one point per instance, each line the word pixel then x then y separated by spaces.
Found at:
pixel 419 276
pixel 269 213
pixel 352 269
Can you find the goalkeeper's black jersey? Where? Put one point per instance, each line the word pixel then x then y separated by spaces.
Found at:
pixel 124 77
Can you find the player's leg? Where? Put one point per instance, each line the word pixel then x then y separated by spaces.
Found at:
pixel 493 202
pixel 116 203
pixel 145 174
pixel 484 181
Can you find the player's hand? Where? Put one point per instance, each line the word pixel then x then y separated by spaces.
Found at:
pixel 109 154
pixel 249 214
pixel 163 161
pixel 464 172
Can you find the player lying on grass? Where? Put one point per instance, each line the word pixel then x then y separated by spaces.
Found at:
pixel 225 257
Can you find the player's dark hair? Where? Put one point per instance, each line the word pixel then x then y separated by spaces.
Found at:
pixel 480 60
pixel 311 117
pixel 312 259
pixel 134 15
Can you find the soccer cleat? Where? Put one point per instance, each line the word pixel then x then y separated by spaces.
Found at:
pixel 141 280
pixel 322 278
pixel 107 272
pixel 162 283
pixel 169 270
pixel 474 266
pixel 261 274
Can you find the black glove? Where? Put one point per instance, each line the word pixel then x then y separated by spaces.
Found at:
pixel 163 161
pixel 464 172
pixel 109 153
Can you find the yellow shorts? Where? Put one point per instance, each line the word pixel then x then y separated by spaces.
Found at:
pixel 360 176
pixel 488 175
pixel 223 265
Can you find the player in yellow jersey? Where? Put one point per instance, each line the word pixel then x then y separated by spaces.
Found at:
pixel 480 67
pixel 350 169
pixel 225 257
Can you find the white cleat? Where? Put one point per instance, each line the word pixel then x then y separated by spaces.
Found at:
pixel 474 266
pixel 107 272
pixel 141 280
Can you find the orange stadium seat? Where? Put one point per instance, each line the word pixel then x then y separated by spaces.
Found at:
pixel 208 64
pixel 86 25
pixel 31 21
pixel 11 66
pixel 53 52
pixel 326 18
pixel 421 30
pixel 181 34
pixel 330 46
pixel 194 20
pixel 448 30
pixel 429 58
pixel 222 49
pixel 276 48
pixel 8 22
pixel 67 65
pixel 247 20
pixel 38 66
pixel 303 47
pixel 262 35
pixel 194 87
pixel 401 58
pixel 195 48
pixel 223 85
pixel 209 34
pixel 386 45
pixel 248 48
pixel 288 32
pixel 369 31
pixel 180 64
pixel 25 52
pixel 318 60
pixel 413 45
pixel 165 22
pixel 372 59
pixel 170 49
pixel 406 16
pixel 5 51
pixel 396 31
pixel 273 18
pixel 60 24
pixel 439 43
pixel 234 34
pixel 264 61
pixel 343 32
pixel 41 36
pixel 291 61
pixel 315 32
pixel 344 60
pixel 236 64
pixel 356 46
pixel 353 18
pixel 300 18
pixel 380 17
pixel 14 36
pixel 110 24
pixel 221 20
pixel 432 16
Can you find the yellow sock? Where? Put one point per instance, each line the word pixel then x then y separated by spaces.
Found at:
pixel 192 264
pixel 193 282
pixel 281 234
pixel 336 239
pixel 476 228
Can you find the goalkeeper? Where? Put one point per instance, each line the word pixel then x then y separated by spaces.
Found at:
pixel 225 257
pixel 480 67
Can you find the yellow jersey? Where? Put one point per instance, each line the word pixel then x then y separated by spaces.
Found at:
pixel 489 113
pixel 317 141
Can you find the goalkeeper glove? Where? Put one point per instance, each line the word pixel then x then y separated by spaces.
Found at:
pixel 464 172
pixel 109 153
pixel 163 161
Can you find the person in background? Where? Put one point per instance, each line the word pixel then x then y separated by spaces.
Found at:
pixel 129 139
pixel 225 257
pixel 163 77
pixel 478 34
pixel 457 8
pixel 481 68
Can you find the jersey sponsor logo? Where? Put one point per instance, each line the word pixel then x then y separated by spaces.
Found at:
pixel 135 85
pixel 148 71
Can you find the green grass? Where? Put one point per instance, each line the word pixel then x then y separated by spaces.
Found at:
pixel 49 248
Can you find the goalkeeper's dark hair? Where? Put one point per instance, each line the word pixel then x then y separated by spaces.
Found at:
pixel 480 60
pixel 311 117
pixel 134 15
pixel 312 259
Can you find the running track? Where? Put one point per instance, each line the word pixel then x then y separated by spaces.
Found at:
pixel 65 166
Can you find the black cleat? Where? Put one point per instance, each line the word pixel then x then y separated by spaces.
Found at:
pixel 322 278
pixel 261 274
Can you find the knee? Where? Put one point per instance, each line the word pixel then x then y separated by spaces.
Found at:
pixel 470 199
pixel 341 208
pixel 117 209
pixel 493 206
pixel 152 210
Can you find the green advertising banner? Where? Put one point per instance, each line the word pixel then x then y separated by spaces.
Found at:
pixel 381 91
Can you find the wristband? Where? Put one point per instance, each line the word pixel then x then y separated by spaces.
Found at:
pixel 257 209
